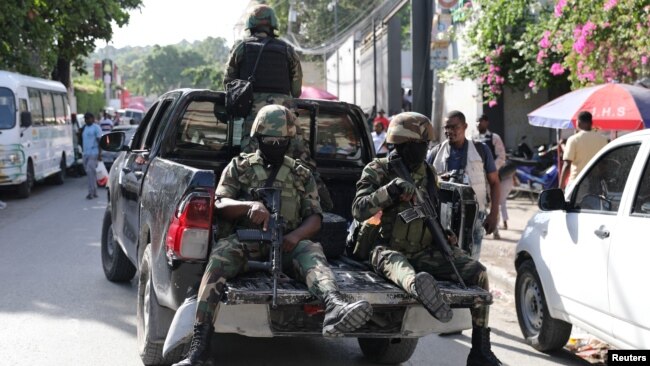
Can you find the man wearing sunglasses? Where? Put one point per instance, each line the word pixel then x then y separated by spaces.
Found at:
pixel 273 128
pixel 472 163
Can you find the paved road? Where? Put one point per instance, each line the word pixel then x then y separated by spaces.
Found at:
pixel 57 308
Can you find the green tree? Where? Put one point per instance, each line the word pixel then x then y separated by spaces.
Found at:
pixel 48 36
pixel 163 69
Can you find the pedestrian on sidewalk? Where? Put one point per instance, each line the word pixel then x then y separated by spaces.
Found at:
pixel 379 139
pixel 91 152
pixel 580 148
pixel 106 124
pixel 382 119
pixel 498 149
pixel 470 162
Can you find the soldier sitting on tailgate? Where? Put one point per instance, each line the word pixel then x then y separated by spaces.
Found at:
pixel 273 128
pixel 403 252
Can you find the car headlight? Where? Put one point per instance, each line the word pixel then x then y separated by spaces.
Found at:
pixel 11 159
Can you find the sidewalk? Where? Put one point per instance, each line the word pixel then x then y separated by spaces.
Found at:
pixel 499 255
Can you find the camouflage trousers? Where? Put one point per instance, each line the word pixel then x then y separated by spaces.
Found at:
pixel 229 258
pixel 249 145
pixel 401 269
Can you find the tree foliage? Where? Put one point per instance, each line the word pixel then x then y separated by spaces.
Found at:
pixel 44 37
pixel 537 44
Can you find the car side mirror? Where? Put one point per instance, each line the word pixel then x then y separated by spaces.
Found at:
pixel 113 141
pixel 25 119
pixel 552 200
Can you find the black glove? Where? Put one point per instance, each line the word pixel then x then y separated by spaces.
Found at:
pixel 399 186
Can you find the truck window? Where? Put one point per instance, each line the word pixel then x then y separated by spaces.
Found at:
pixel 152 128
pixel 336 137
pixel 36 106
pixel 200 128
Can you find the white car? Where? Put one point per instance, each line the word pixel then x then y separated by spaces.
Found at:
pixel 585 259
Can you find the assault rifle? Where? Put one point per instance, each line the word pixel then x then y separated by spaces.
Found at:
pixel 424 209
pixel 270 197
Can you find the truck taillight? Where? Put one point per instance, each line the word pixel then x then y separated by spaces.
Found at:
pixel 188 235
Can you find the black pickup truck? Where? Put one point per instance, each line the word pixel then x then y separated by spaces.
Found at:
pixel 159 223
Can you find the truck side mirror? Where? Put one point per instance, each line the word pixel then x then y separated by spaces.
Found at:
pixel 551 200
pixel 113 141
pixel 25 119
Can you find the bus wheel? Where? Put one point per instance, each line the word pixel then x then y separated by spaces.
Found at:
pixel 25 188
pixel 59 177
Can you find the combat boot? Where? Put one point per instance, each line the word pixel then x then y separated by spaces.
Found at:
pixel 425 289
pixel 481 352
pixel 199 348
pixel 344 317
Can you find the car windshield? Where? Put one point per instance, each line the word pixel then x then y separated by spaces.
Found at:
pixel 7 109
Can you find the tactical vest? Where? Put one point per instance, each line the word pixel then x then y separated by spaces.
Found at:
pixel 272 74
pixel 406 238
pixel 474 169
pixel 487 139
pixel 292 187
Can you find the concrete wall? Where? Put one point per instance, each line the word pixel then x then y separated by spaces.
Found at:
pixel 343 82
pixel 313 74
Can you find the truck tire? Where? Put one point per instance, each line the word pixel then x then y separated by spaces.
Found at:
pixel 540 330
pixel 150 351
pixel 332 235
pixel 117 266
pixel 25 188
pixel 388 351
pixel 59 177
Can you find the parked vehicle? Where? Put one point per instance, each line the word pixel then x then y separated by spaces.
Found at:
pixel 128 114
pixel 159 222
pixel 108 157
pixel 534 176
pixel 35 132
pixel 583 260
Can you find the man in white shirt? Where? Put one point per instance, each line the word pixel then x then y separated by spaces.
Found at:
pixel 106 124
pixel 379 139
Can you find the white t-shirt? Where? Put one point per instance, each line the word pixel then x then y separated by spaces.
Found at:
pixel 106 125
pixel 379 140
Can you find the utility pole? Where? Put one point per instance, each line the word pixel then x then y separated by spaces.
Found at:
pixel 421 18
pixel 334 6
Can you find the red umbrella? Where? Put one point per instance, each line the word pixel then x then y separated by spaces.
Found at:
pixel 613 106
pixel 310 92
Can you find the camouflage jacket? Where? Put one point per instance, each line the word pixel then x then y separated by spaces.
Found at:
pixel 299 192
pixel 237 56
pixel 372 197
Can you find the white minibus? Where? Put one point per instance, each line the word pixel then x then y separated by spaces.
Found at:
pixel 35 131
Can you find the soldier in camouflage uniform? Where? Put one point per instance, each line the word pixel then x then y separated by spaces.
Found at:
pixel 278 79
pixel 403 253
pixel 274 127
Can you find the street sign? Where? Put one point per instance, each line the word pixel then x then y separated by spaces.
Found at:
pixel 439 58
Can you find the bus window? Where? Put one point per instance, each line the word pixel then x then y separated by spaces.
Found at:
pixel 59 109
pixel 37 108
pixel 7 109
pixel 48 107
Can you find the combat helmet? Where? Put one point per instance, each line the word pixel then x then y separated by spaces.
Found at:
pixel 274 120
pixel 262 17
pixel 409 126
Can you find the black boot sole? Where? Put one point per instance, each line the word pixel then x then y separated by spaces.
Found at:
pixel 429 295
pixel 356 316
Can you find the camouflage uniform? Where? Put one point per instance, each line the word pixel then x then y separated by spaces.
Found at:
pixel 403 250
pixel 229 257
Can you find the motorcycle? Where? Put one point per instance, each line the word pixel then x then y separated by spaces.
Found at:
pixel 534 172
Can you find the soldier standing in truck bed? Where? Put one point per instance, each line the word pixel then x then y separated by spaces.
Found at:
pixel 278 79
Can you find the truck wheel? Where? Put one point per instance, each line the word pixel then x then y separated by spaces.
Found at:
pixel 25 188
pixel 117 266
pixel 332 235
pixel 388 351
pixel 538 328
pixel 149 350
pixel 59 177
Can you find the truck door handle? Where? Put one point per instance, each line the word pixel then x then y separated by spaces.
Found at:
pixel 602 232
pixel 126 169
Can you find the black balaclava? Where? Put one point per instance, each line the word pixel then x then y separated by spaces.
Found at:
pixel 412 153
pixel 273 153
